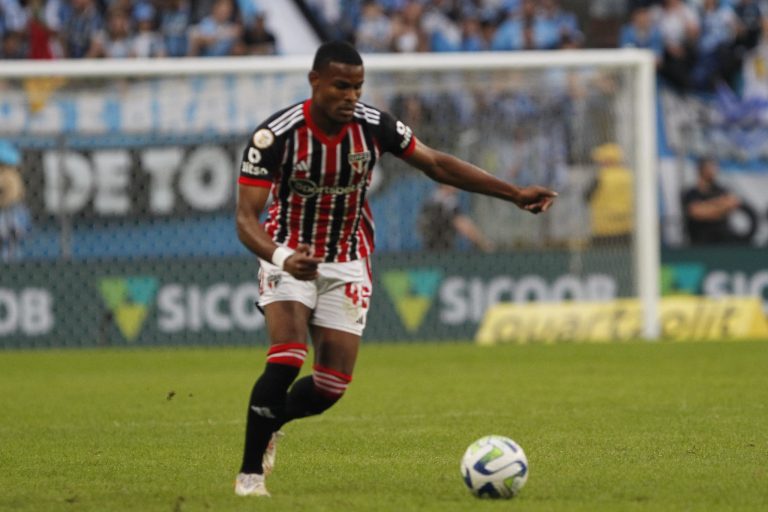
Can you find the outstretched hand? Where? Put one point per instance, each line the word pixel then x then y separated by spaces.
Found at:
pixel 536 199
pixel 301 264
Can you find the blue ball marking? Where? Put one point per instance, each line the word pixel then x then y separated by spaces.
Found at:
pixel 488 490
pixel 523 469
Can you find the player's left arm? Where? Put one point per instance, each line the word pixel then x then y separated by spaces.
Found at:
pixel 445 168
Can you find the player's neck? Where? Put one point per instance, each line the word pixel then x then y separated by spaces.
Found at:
pixel 328 126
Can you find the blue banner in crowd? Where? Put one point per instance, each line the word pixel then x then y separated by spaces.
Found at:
pixel 731 127
pixel 157 106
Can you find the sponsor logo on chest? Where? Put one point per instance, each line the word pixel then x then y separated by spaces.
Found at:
pixel 308 188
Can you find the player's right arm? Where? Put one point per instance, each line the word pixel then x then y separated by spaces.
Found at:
pixel 250 203
pixel 258 169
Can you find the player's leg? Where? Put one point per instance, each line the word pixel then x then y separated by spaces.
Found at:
pixel 287 323
pixel 335 356
pixel 288 304
pixel 337 325
pixel 287 328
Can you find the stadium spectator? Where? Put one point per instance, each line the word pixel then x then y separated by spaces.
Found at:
pixel 472 36
pixel 707 206
pixel 147 42
pixel 12 17
pixel 750 28
pixel 43 24
pixel 340 18
pixel 441 219
pixel 201 9
pixel 716 59
pixel 561 22
pixel 407 34
pixel 116 41
pixel 175 19
pixel 315 244
pixel 256 38
pixel 249 10
pixel 526 30
pixel 605 20
pixel 505 7
pixel 127 6
pixel 14 215
pixel 755 75
pixel 81 23
pixel 680 29
pixel 13 47
pixel 442 32
pixel 508 36
pixel 641 32
pixel 374 33
pixel 328 13
pixel 610 197
pixel 217 33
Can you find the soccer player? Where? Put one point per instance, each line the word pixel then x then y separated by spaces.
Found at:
pixel 315 159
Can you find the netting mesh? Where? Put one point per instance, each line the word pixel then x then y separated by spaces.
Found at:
pixel 130 186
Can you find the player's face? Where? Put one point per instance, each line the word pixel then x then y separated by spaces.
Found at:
pixel 336 90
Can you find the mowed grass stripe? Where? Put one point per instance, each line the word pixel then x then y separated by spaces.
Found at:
pixel 639 426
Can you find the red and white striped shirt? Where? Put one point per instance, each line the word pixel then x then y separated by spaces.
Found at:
pixel 319 183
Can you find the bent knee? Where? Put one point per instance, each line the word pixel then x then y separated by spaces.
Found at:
pixel 330 384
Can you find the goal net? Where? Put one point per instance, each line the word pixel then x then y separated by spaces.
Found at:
pixel 128 172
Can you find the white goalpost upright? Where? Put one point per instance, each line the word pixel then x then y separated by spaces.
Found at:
pixel 566 94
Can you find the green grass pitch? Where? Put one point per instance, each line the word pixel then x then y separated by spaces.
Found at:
pixel 636 427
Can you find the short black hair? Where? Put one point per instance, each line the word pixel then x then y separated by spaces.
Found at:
pixel 336 51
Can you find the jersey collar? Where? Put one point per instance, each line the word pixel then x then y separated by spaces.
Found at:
pixel 320 134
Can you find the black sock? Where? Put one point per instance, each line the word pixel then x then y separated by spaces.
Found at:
pixel 266 410
pixel 304 400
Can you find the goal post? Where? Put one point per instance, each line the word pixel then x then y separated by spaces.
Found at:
pixel 124 156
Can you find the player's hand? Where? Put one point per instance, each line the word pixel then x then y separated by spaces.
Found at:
pixel 301 264
pixel 536 199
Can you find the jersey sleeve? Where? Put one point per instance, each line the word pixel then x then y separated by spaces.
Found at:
pixel 261 159
pixel 395 136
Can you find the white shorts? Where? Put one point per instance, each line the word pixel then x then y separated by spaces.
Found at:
pixel 339 297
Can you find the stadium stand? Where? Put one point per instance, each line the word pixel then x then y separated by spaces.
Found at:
pixel 698 42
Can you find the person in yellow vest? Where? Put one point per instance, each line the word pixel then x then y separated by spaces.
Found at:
pixel 611 197
pixel 14 216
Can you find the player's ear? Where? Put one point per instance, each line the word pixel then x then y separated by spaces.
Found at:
pixel 314 79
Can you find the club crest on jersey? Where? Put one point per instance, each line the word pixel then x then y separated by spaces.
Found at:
pixel 359 161
pixel 263 138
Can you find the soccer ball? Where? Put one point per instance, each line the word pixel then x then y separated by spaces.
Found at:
pixel 494 467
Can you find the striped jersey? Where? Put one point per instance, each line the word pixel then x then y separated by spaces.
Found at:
pixel 318 183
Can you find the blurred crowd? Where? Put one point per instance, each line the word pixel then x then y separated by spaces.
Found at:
pixel 53 29
pixel 451 25
pixel 697 42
